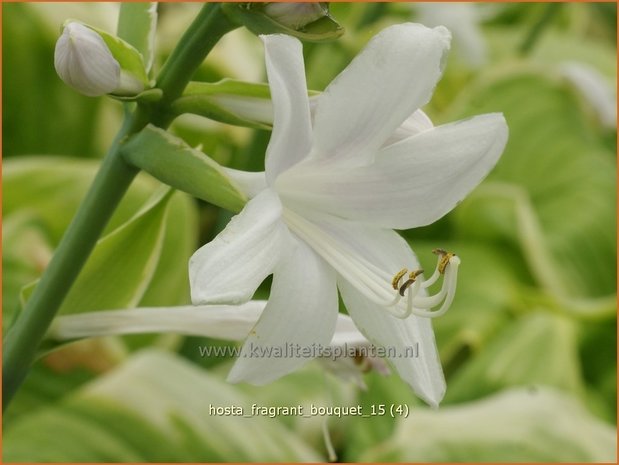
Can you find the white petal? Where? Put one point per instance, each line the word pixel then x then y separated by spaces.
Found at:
pixel 415 124
pixel 251 183
pixel 347 334
pixel 230 267
pixel 291 137
pixel 301 313
pixel 84 61
pixel 356 251
pixel 391 78
pixel 249 108
pixel 229 322
pixel 412 183
pixel 388 251
pixel 422 372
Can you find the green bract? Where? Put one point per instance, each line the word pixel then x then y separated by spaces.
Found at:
pixel 170 160
pixel 137 25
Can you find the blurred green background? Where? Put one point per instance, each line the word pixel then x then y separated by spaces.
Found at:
pixel 528 348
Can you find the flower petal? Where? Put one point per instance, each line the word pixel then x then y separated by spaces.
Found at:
pixel 412 183
pixel 416 123
pixel 388 251
pixel 229 322
pixel 229 268
pixel 391 78
pixel 301 315
pixel 291 136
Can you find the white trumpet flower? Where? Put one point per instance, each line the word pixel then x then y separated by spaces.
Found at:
pixel 338 180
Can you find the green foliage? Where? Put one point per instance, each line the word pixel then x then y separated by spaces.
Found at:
pixel 515 426
pixel 151 409
pixel 34 96
pixel 35 187
pixel 172 161
pixel 554 186
pixel 137 24
pixel 112 278
pixel 535 306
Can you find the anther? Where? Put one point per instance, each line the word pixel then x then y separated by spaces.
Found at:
pixel 412 277
pixel 444 259
pixel 395 282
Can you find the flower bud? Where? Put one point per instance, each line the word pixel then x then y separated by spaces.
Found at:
pixel 307 21
pixel 84 61
pixel 96 63
pixel 296 15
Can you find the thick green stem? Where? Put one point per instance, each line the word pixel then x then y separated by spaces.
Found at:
pixel 210 25
pixel 110 184
pixel 22 341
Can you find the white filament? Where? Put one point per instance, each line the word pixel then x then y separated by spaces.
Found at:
pixel 375 283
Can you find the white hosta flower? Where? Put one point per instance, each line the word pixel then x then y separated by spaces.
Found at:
pixel 84 61
pixel 335 186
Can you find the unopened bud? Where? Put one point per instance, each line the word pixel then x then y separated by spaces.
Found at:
pixel 296 15
pixel 95 63
pixel 84 62
pixel 306 21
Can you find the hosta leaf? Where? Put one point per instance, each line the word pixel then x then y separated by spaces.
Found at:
pixel 514 426
pixel 538 349
pixel 113 278
pixel 155 408
pixel 553 189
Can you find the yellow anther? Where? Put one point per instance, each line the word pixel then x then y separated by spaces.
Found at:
pixel 444 261
pixel 395 282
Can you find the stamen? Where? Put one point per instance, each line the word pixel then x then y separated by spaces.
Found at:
pixel 444 258
pixel 373 281
pixel 411 279
pixel 421 306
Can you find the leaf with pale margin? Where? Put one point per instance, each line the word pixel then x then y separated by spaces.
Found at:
pixel 154 408
pixel 112 277
pixel 524 425
pixel 552 192
pixel 137 24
